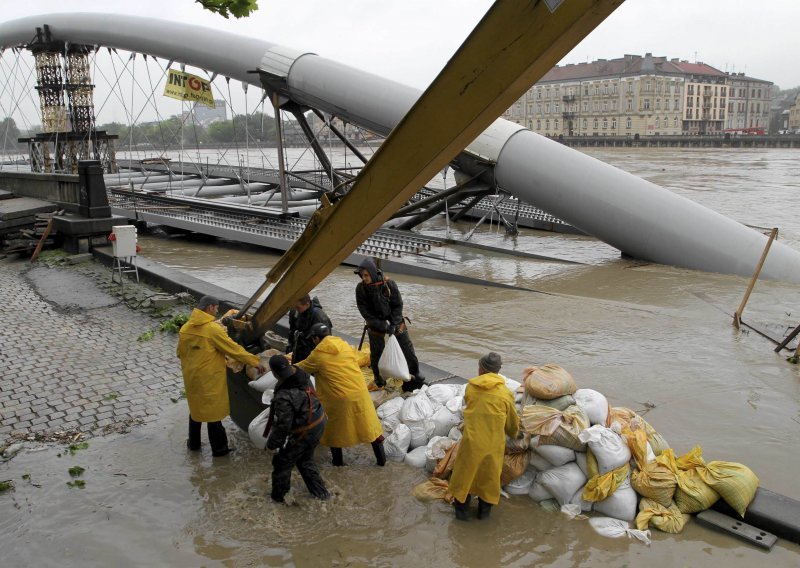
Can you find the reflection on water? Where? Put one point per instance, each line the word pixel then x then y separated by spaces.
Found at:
pixel 642 334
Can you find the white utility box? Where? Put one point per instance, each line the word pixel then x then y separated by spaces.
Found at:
pixel 124 243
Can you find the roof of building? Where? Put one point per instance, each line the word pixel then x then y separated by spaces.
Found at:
pixel 629 65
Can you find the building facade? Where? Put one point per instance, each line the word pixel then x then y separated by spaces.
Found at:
pixel 749 103
pixel 634 95
pixel 794 116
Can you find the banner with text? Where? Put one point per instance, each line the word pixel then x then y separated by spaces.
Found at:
pixel 188 87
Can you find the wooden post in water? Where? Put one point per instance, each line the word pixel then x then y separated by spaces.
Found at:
pixel 737 315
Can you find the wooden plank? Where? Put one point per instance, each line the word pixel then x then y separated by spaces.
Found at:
pixel 737 316
pixel 42 240
pixel 788 339
pixel 737 528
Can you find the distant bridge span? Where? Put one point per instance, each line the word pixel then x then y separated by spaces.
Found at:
pixel 637 217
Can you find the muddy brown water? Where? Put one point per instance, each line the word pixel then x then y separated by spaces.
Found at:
pixel 642 334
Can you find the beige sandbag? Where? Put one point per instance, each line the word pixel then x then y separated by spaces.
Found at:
pixel 600 487
pixel 693 494
pixel 559 403
pixel 514 465
pixel 433 489
pixel 668 518
pixel 628 418
pixel 735 482
pixel 658 479
pixel 548 382
pixel 554 427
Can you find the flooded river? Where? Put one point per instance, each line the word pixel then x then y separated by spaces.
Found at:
pixel 642 334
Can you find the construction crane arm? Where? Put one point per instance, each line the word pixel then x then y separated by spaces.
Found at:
pixel 513 46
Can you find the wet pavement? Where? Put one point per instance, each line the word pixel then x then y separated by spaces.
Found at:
pixel 70 360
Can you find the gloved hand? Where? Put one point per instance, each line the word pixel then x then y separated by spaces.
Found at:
pixel 390 329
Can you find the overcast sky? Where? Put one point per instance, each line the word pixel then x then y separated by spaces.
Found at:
pixel 411 40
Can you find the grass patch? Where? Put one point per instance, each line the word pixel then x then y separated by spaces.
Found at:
pixel 174 324
pixel 6 485
pixel 79 446
pixel 111 396
pixel 79 483
pixel 147 335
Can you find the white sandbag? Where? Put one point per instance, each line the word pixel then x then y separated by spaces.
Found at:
pixel 455 434
pixel 511 384
pixel 396 444
pixel 442 393
pixel 537 492
pixel 392 364
pixel 267 396
pixel 389 412
pixel 571 510
pixel 421 432
pixel 614 528
pixel 594 404
pixel 416 457
pixel 456 405
pixel 580 459
pixel 538 462
pixel 521 485
pixel 556 455
pixel 621 504
pixel 437 447
pixel 607 446
pixel 443 421
pixel 266 381
pixel 562 482
pixel 578 500
pixel 416 408
pixel 256 430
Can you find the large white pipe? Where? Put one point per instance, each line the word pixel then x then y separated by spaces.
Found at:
pixel 629 213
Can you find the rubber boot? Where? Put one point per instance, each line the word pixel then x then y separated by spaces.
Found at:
pixel 484 509
pixel 338 457
pixel 462 509
pixel 415 383
pixel 380 453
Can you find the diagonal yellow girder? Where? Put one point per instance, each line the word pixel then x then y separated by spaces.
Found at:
pixel 512 47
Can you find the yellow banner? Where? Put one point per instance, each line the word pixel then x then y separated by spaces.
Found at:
pixel 188 87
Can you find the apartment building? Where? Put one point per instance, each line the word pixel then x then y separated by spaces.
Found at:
pixel 630 96
pixel 794 116
pixel 749 103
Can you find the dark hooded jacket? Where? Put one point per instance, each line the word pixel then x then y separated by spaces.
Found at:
pixel 380 301
pixel 300 343
pixel 295 405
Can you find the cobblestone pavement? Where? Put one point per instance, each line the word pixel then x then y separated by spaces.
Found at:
pixel 64 368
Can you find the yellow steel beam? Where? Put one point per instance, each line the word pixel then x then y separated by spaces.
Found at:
pixel 513 46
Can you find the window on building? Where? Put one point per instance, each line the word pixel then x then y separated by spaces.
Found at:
pixel 605 106
pixel 658 104
pixel 539 94
pixel 628 123
pixel 647 104
pixel 595 106
pixel 605 89
pixel 557 107
pixel 586 90
pixel 614 123
pixel 689 113
pixel 721 114
pixel 677 105
pixel 584 124
pixel 555 124
pixel 658 122
pixel 585 106
pixel 615 89
pixel 630 104
pixel 759 94
pixel 595 124
pixel 690 89
pixel 605 123
pixel 530 124
pixel 630 87
pixel 547 125
pixel 647 85
pixel 547 108
pixel 723 91
pixel 596 89
pixel 730 107
pixel 538 125
pixel 675 122
pixel 614 105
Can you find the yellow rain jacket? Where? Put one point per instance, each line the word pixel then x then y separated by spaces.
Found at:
pixel 352 419
pixel 489 416
pixel 202 346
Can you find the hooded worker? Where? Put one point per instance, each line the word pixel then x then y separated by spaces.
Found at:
pixel 381 305
pixel 306 312
pixel 202 346
pixel 489 416
pixel 352 418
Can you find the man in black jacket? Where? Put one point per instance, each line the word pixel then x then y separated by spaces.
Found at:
pixel 295 426
pixel 381 306
pixel 307 311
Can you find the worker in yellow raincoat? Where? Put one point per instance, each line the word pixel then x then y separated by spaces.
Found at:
pixel 489 416
pixel 202 346
pixel 341 388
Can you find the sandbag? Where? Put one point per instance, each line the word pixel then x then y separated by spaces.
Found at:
pixel 562 482
pixel 455 434
pixel 555 427
pixel 444 467
pixel 443 421
pixel 735 483
pixel 267 381
pixel 550 505
pixel 578 500
pixel 417 407
pixel 548 381
pixel 440 393
pixel 614 528
pixel 521 485
pixel 594 404
pixel 601 487
pixel 437 447
pixel 456 405
pixel 256 430
pixel 514 465
pixel 668 519
pixel 537 492
pixel 608 447
pixel 693 494
pixel 416 457
pixel 621 504
pixel 625 416
pixel 392 363
pixel 560 403
pixel 389 413
pixel 539 463
pixel 556 455
pixel 396 444
pixel 580 459
pixel 432 490
pixel 421 432
pixel 511 384
pixel 658 479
